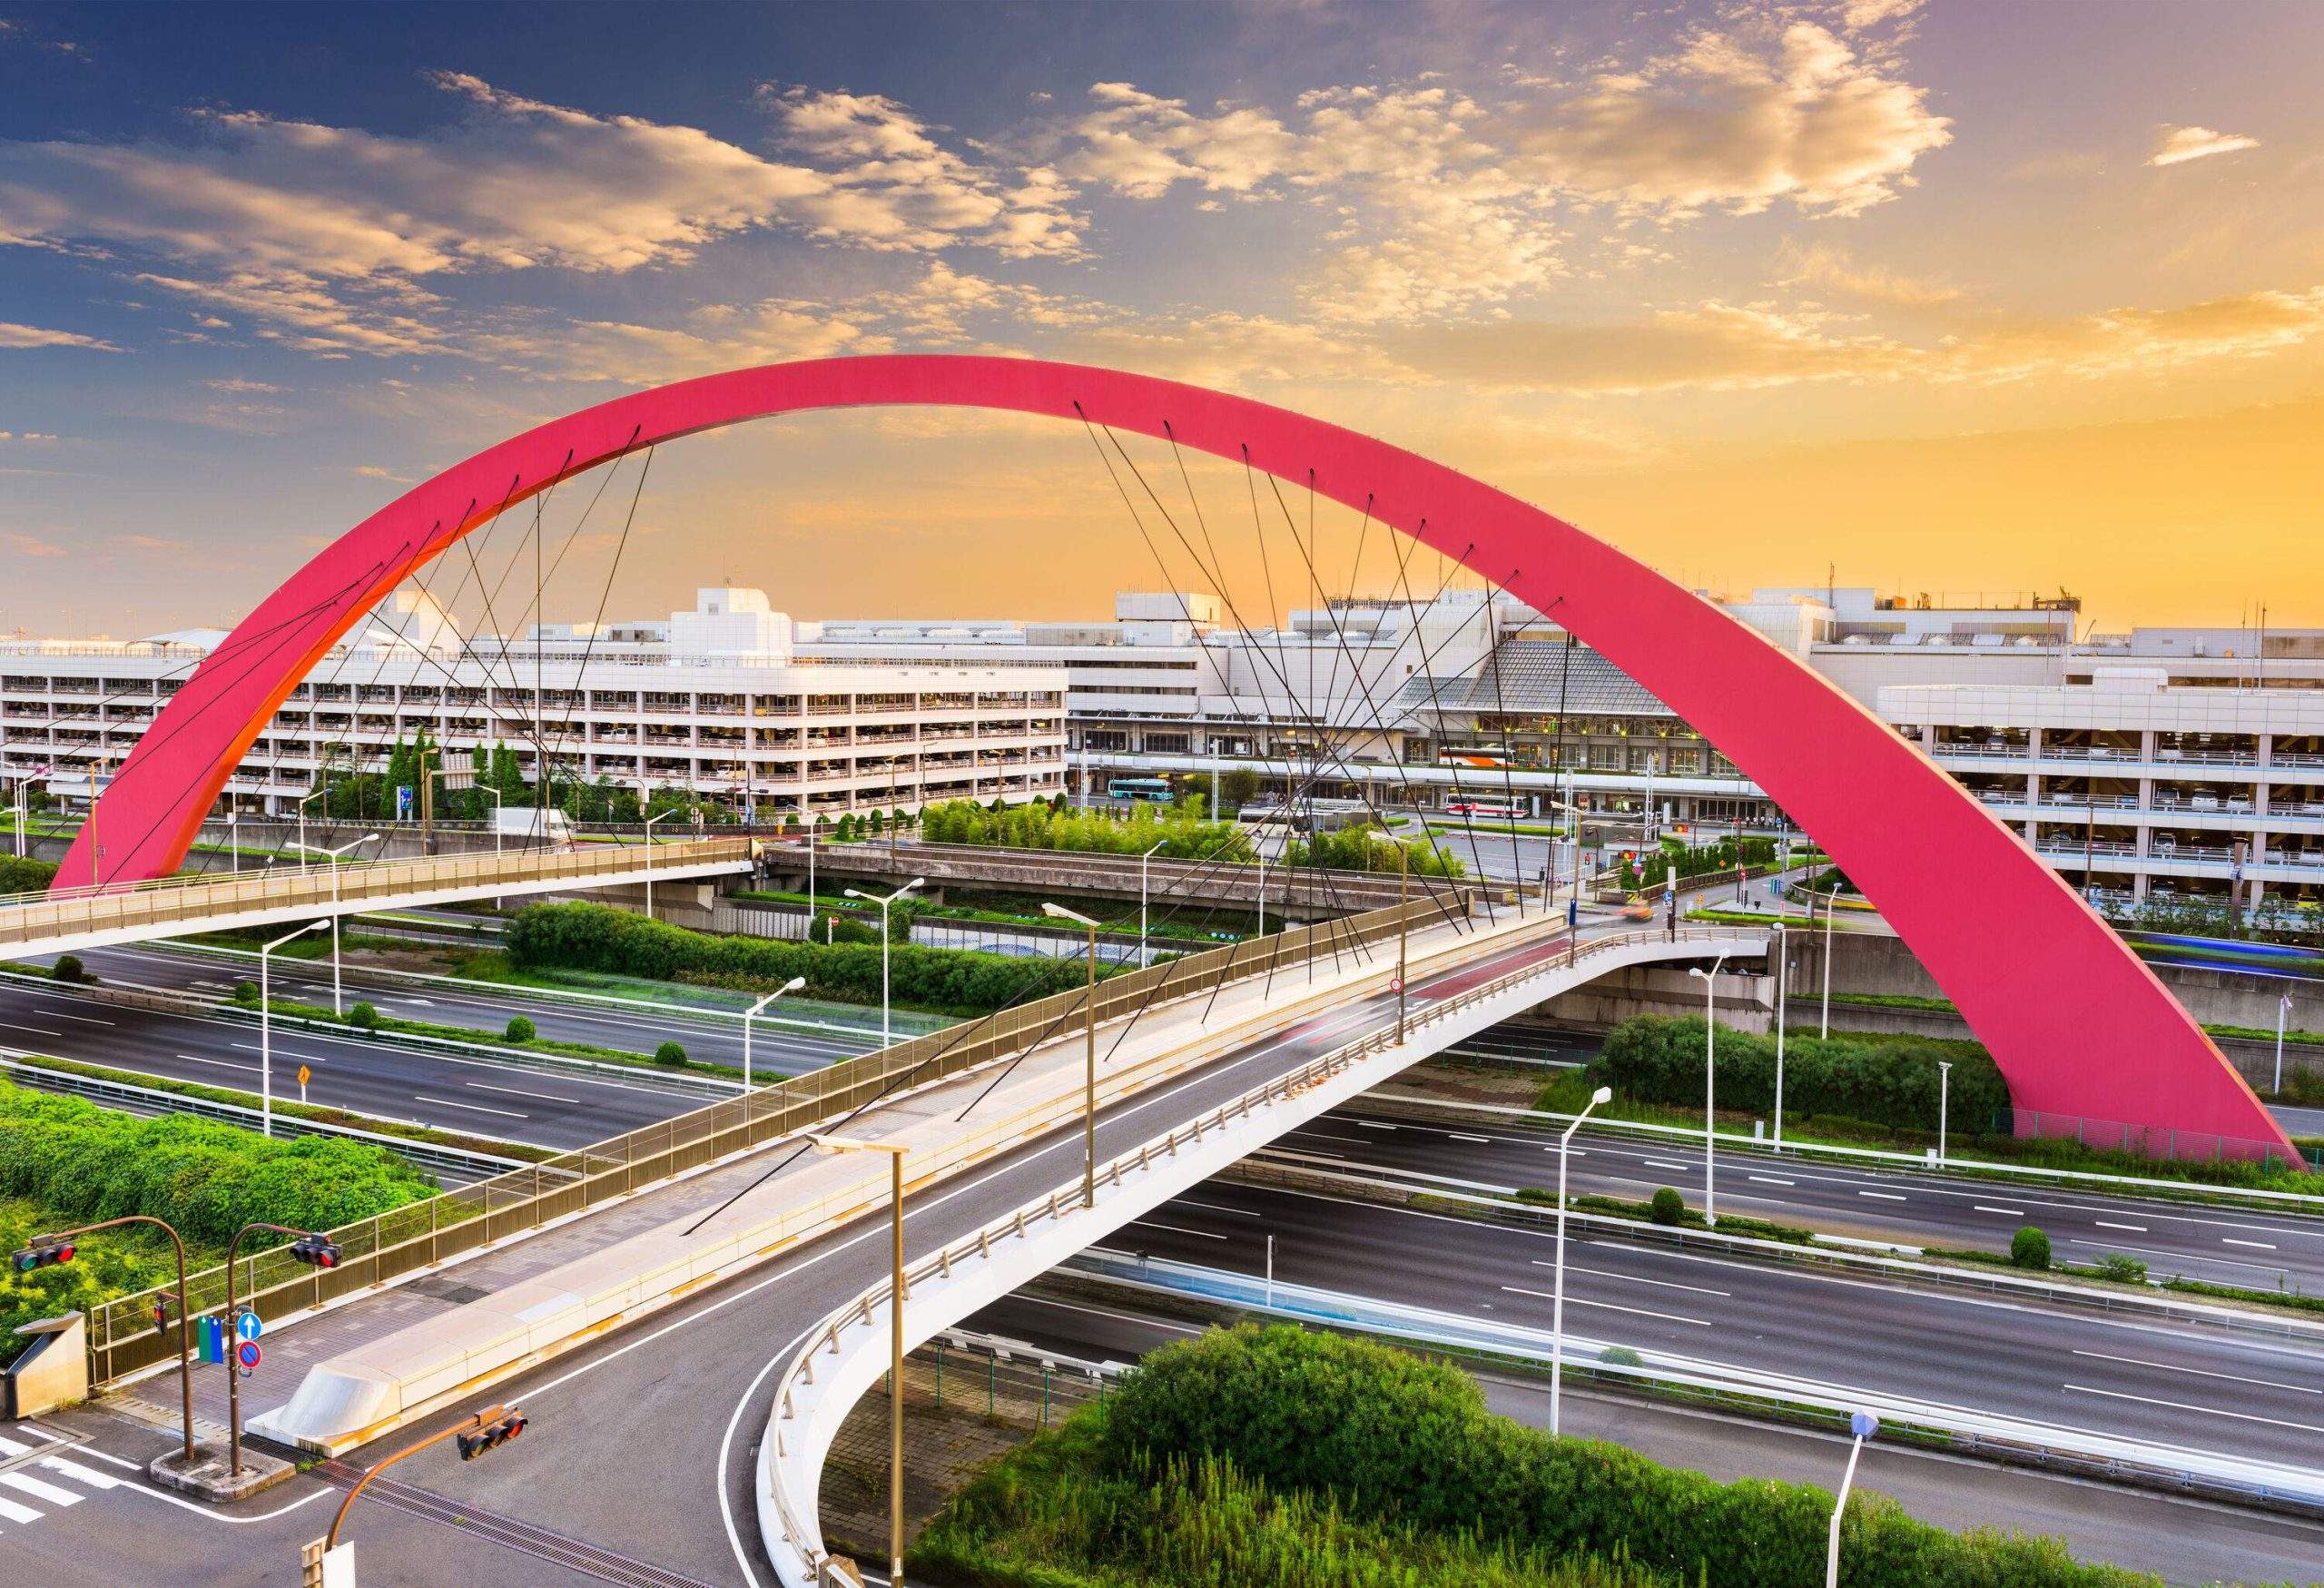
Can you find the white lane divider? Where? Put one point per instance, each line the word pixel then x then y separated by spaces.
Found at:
pixel 2255 1244
pixel 2005 1212
pixel 1635 1278
pixel 1173 1229
pixel 1770 1180
pixel 1882 1196
pixel 2199 1372
pixel 472 1107
pixel 1609 1307
pixel 2108 1223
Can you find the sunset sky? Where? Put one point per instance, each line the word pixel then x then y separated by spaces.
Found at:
pixel 1952 296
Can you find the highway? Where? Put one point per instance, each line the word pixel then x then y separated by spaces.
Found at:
pixel 2234 1245
pixel 640 1028
pixel 693 1381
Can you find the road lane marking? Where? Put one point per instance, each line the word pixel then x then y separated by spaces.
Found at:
pixel 1609 1307
pixel 1327 1136
pixel 222 1063
pixel 36 1030
pixel 2133 1228
pixel 2201 1372
pixel 2005 1212
pixel 16 1512
pixel 546 1097
pixel 1770 1180
pixel 1209 1207
pixel 1101 1312
pixel 1480 1141
pixel 2117 1246
pixel 473 1107
pixel 1883 1196
pixel 285 1053
pixel 2259 1245
pixel 1371 1125
pixel 1176 1230
pixel 2184 1406
pixel 89 1476
pixel 1665 1163
pixel 1634 1279
pixel 86 1019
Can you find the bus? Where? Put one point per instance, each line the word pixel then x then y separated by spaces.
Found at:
pixel 1139 788
pixel 1485 810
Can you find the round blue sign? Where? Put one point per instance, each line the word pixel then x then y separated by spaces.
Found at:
pixel 247 1353
pixel 247 1326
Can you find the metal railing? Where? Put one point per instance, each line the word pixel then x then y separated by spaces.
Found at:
pixel 875 1299
pixel 30 917
pixel 420 1234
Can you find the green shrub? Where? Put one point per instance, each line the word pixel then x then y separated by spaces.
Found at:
pixel 1666 1206
pixel 520 1030
pixel 671 1055
pixel 68 968
pixel 81 1161
pixel 25 876
pixel 246 994
pixel 1395 1441
pixel 591 937
pixel 2030 1248
pixel 1620 1357
pixel 1884 1082
pixel 363 1018
pixel 2122 1266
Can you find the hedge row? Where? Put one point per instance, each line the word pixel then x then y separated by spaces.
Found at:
pixel 82 1163
pixel 1888 1080
pixel 25 876
pixel 593 937
pixel 1410 1443
pixel 1182 834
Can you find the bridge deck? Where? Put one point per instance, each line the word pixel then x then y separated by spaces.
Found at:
pixel 73 919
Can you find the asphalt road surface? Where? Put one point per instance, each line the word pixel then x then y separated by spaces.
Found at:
pixel 2243 1244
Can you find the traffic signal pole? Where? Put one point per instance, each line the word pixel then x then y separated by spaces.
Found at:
pixel 322 1255
pixel 44 1251
pixel 467 1424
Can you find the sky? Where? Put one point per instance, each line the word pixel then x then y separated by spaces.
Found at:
pixel 1961 298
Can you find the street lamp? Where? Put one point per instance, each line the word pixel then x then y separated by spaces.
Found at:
pixel 333 856
pixel 649 857
pixel 883 901
pixel 1778 958
pixel 477 1432
pixel 310 797
pixel 234 841
pixel 1863 1426
pixel 1141 900
pixel 750 1013
pixel 1089 1078
pixel 266 1026
pixel 48 1249
pixel 2283 1013
pixel 1710 1067
pixel 1944 1103
pixel 1557 1306
pixel 897 1293
pixel 24 809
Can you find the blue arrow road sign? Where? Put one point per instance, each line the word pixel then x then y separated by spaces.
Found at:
pixel 247 1326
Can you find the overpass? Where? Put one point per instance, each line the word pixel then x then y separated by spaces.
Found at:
pixel 1291 892
pixel 68 920
pixel 1201 1060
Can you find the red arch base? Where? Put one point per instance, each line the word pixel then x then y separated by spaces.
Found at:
pixel 2077 1023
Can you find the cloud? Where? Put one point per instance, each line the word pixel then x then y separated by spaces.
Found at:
pixel 2177 146
pixel 1833 269
pixel 235 385
pixel 1718 346
pixel 26 438
pixel 325 233
pixel 31 545
pixel 14 335
pixel 373 471
pixel 1737 120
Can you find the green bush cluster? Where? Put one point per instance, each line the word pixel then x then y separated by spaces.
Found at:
pixel 1408 1444
pixel 521 1028
pixel 1365 849
pixel 1653 870
pixel 364 1017
pixel 592 937
pixel 1890 1081
pixel 671 1054
pixel 68 968
pixel 2030 1248
pixel 1183 833
pixel 1666 1206
pixel 25 876
pixel 81 1162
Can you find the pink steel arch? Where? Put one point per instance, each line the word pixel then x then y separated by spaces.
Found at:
pixel 2077 1025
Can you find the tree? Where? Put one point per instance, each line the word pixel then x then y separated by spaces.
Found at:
pixel 2030 1248
pixel 1237 787
pixel 520 1030
pixel 670 1055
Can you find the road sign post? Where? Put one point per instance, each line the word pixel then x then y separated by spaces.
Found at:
pixel 246 1355
pixel 305 1075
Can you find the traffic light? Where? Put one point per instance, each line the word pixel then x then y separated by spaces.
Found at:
pixel 161 1315
pixel 41 1255
pixel 316 1251
pixel 491 1436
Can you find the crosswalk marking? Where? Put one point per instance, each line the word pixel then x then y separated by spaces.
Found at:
pixel 79 1473
pixel 13 1512
pixel 39 1490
